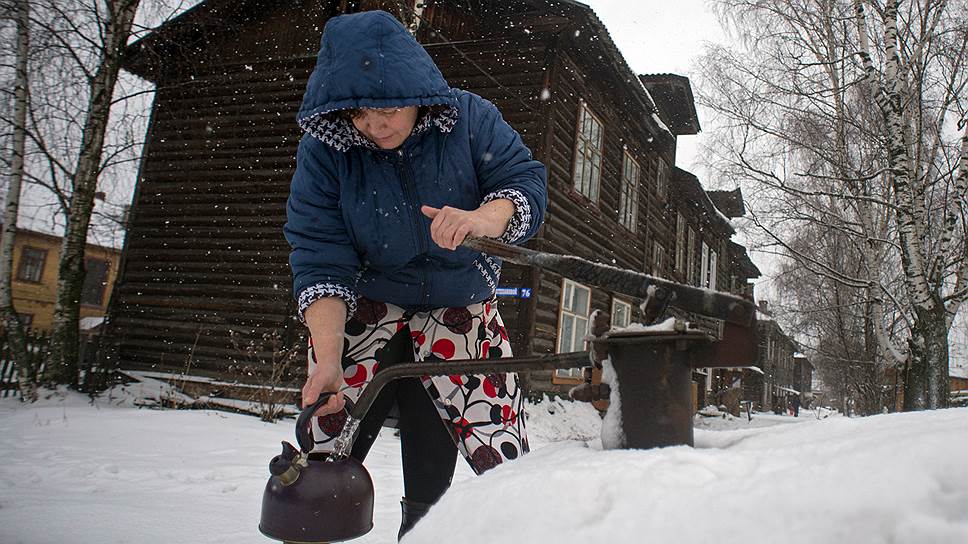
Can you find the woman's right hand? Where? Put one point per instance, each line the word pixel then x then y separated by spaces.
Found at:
pixel 325 378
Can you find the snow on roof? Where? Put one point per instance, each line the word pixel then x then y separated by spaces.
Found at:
pixel 958 372
pixel 655 117
pixel 88 323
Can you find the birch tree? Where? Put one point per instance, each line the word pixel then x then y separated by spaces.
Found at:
pixel 81 130
pixel 16 340
pixel 63 352
pixel 849 118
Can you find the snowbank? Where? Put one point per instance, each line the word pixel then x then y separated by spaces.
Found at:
pixel 108 472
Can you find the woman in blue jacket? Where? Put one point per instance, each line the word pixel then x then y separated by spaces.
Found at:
pixel 396 168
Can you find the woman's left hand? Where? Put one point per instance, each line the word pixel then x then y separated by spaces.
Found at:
pixel 449 226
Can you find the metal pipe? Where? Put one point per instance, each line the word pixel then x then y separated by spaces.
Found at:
pixel 707 302
pixel 344 442
pixel 387 374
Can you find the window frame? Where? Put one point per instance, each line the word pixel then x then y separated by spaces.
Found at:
pixel 628 197
pixel 590 152
pixel 691 258
pixel 566 285
pixel 26 320
pixel 616 303
pixel 103 283
pixel 704 264
pixel 658 258
pixel 22 265
pixel 661 179
pixel 713 272
pixel 680 243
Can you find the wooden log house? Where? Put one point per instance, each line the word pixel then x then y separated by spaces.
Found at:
pixel 205 256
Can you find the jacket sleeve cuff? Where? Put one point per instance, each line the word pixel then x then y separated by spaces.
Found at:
pixel 322 290
pixel 520 222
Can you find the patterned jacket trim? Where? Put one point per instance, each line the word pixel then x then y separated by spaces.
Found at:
pixel 321 290
pixel 340 133
pixel 520 221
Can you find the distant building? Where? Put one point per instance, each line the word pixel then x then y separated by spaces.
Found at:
pixel 36 260
pixel 958 385
pixel 776 375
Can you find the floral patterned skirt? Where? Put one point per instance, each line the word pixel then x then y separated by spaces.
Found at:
pixel 483 413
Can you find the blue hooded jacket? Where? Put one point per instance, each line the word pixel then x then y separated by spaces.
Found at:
pixel 354 219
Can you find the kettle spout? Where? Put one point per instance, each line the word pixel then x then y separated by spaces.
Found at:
pixel 286 465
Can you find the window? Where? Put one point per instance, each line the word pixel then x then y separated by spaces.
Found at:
pixel 628 200
pixel 26 320
pixel 572 322
pixel 32 261
pixel 704 265
pixel 680 243
pixel 711 282
pixel 691 258
pixel 658 261
pixel 588 153
pixel 661 179
pixel 95 279
pixel 707 273
pixel 621 314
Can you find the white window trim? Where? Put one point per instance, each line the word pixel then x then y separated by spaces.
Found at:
pixel 616 303
pixel 597 155
pixel 704 265
pixel 691 257
pixel 713 272
pixel 628 198
pixel 571 373
pixel 658 255
pixel 680 243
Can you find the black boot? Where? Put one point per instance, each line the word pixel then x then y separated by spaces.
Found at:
pixel 412 512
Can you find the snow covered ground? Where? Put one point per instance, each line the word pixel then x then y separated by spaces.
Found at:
pixel 73 472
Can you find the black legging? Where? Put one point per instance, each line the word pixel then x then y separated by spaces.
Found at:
pixel 427 449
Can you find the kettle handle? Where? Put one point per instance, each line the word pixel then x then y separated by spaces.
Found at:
pixel 304 435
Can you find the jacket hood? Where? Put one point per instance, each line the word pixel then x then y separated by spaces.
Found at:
pixel 369 59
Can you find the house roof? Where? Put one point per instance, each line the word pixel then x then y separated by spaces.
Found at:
pixel 188 31
pixel 673 96
pixel 693 193
pixel 192 27
pixel 730 203
pixel 741 258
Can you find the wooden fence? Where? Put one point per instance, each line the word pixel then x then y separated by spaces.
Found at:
pixel 36 348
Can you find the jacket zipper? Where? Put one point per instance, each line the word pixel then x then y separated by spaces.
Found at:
pixel 409 191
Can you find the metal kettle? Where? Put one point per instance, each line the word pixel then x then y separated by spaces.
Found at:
pixel 312 500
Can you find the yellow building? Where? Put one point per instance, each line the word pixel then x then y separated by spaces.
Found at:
pixel 36 258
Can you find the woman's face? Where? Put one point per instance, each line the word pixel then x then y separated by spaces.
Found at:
pixel 386 127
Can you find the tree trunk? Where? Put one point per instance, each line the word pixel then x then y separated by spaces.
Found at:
pixel 926 381
pixel 63 354
pixel 16 341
